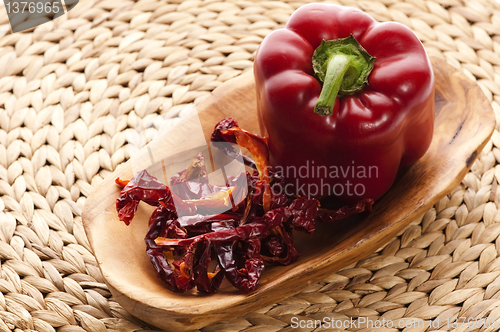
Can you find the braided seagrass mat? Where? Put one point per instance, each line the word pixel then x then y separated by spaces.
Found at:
pixel 71 90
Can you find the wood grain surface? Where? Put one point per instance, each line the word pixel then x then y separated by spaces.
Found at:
pixel 464 123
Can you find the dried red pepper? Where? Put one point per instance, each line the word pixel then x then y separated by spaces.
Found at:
pixel 185 235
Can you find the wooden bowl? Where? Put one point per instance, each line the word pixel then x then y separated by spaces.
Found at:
pixel 464 123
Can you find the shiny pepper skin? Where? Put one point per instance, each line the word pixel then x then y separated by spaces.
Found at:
pixel 357 151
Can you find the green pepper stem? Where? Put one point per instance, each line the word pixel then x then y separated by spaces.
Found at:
pixel 337 67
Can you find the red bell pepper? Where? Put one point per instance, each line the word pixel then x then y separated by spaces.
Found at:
pixel 344 101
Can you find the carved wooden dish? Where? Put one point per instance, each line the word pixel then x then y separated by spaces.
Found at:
pixel 464 123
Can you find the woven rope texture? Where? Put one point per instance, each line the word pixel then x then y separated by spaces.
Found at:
pixel 71 90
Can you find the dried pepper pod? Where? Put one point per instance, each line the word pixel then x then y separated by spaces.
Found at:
pixel 192 247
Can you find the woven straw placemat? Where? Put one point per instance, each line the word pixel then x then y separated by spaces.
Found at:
pixel 71 90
